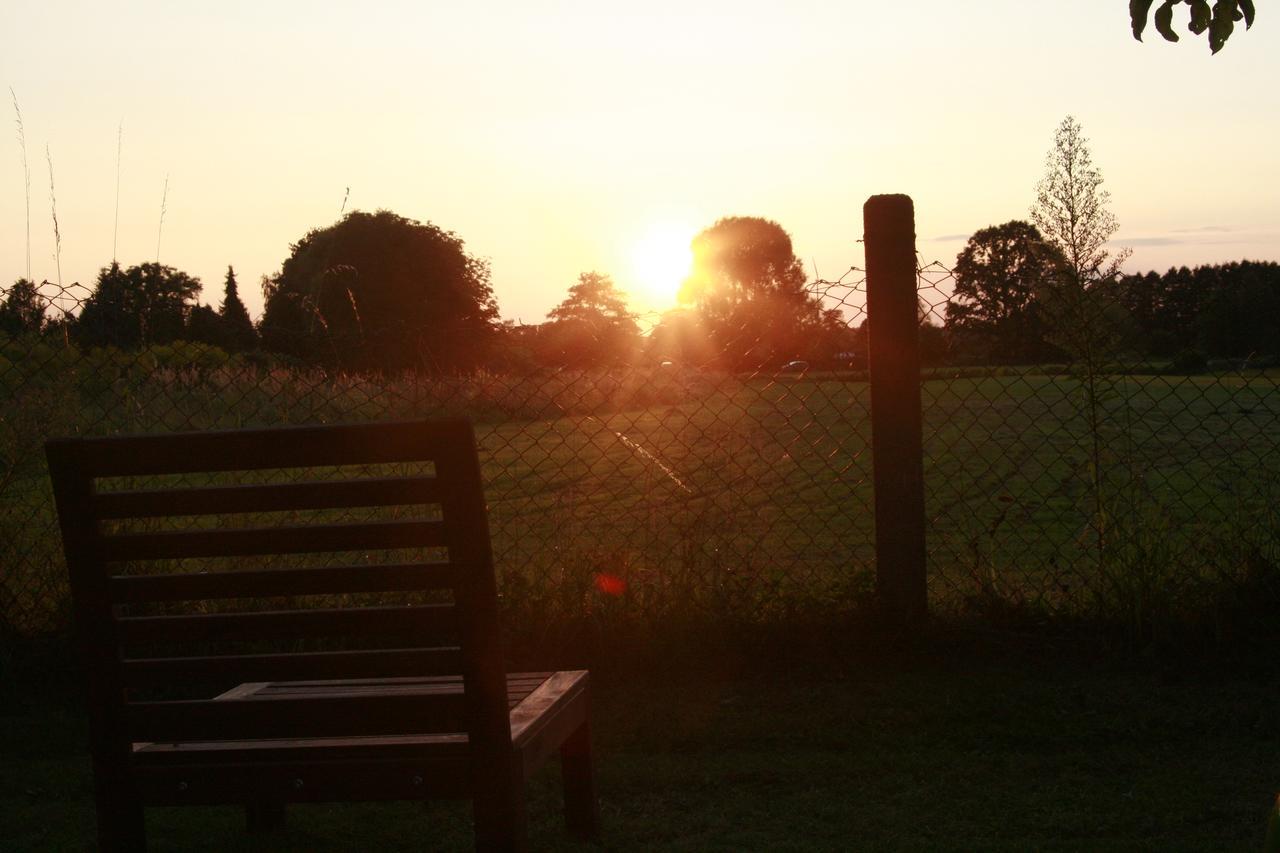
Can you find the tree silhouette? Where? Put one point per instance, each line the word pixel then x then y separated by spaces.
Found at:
pixel 22 309
pixel 206 326
pixel 995 316
pixel 592 326
pixel 237 329
pixel 749 290
pixel 378 291
pixel 1242 311
pixel 1071 208
pixel 1081 304
pixel 138 306
pixel 1166 309
pixel 1230 309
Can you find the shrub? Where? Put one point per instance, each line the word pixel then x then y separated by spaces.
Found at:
pixel 1188 362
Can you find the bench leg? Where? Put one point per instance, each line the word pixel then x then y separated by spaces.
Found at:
pixel 500 821
pixel 263 817
pixel 581 811
pixel 120 822
pixel 120 828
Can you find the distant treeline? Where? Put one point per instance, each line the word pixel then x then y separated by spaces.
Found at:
pixel 1227 310
pixel 379 292
pixel 131 308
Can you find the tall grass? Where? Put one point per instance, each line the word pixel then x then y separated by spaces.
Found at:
pixel 26 172
pixel 164 207
pixel 115 225
pixel 53 208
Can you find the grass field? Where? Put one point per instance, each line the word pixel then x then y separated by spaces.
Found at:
pixel 1004 752
pixel 724 500
pixel 749 498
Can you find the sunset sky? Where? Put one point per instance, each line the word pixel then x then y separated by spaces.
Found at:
pixel 560 137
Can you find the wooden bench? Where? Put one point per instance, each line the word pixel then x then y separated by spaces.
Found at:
pixel 302 614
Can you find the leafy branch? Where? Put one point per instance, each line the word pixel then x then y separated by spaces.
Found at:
pixel 1219 20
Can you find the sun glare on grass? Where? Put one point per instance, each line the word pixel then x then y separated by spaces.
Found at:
pixel 660 261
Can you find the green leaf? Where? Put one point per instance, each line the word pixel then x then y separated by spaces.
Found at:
pixel 1138 10
pixel 1224 13
pixel 1246 7
pixel 1164 20
pixel 1200 16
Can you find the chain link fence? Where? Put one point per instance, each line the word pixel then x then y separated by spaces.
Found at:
pixel 1099 483
pixel 651 487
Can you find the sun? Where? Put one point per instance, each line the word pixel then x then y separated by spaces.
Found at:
pixel 660 261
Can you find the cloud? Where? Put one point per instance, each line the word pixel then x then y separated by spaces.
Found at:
pixel 1149 241
pixel 1210 235
pixel 949 238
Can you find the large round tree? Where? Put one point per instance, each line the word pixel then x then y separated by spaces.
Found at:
pixel 376 291
pixel 749 290
pixel 995 314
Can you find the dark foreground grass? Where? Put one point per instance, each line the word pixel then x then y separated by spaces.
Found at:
pixel 1010 755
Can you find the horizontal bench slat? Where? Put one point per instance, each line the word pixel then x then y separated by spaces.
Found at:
pixel 259 583
pixel 296 780
pixel 274 497
pixel 330 716
pixel 425 623
pixel 292 539
pixel 519 686
pixel 277 447
pixel 383 663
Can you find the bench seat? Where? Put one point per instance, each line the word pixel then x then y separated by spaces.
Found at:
pixel 545 708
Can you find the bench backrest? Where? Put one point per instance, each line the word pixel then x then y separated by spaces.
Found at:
pixel 179 584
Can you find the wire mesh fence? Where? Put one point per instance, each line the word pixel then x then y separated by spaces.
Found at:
pixel 726 479
pixel 659 484
pixel 1100 478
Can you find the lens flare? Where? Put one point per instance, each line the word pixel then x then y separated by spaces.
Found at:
pixel 610 584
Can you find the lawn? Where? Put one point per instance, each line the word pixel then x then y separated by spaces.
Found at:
pixel 723 500
pixel 757 497
pixel 752 497
pixel 937 750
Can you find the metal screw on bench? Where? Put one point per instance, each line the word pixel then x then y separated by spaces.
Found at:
pixel 417 781
pixel 182 786
pixel 297 784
